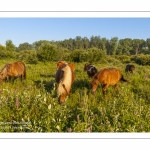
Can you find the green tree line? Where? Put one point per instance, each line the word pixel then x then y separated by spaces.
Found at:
pixel 78 49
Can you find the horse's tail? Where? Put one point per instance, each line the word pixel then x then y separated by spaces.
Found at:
pixel 123 79
pixel 25 73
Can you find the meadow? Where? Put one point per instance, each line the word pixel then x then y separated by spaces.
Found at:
pixel 32 106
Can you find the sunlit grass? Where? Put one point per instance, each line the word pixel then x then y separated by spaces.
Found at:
pixel 33 106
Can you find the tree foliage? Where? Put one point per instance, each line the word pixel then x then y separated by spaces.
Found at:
pixel 25 46
pixel 10 46
pixel 46 52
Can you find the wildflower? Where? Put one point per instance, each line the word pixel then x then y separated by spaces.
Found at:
pixel 78 118
pixel 89 129
pixel 69 130
pixel 17 103
pixel 49 107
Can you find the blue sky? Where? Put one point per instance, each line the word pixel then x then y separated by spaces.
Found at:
pixel 21 30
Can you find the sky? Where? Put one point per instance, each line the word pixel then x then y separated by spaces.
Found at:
pixel 21 30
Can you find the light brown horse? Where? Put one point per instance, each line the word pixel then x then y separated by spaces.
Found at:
pixel 107 77
pixel 64 78
pixel 12 70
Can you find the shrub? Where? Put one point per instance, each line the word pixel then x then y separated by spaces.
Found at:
pixel 90 55
pixel 46 52
pixel 123 58
pixel 29 56
pixel 142 59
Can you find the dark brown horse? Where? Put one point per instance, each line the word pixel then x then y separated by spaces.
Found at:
pixel 12 70
pixel 64 78
pixel 129 68
pixel 90 69
pixel 107 77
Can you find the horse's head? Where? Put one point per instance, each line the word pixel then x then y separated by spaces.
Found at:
pixel 62 98
pixel 3 73
pixel 94 84
pixel 61 63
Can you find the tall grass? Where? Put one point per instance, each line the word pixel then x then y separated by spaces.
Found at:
pixel 33 106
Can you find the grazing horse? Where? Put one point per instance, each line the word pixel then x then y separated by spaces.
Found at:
pixel 90 69
pixel 64 78
pixel 107 77
pixel 12 70
pixel 130 68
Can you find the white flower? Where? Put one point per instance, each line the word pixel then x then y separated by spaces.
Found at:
pixel 58 127
pixel 49 107
pixel 44 99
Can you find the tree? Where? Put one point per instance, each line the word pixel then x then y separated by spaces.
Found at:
pixel 103 44
pixel 95 41
pixel 138 45
pixel 2 48
pixel 70 44
pixel 124 46
pixel 24 46
pixel 37 44
pixel 148 43
pixel 86 43
pixel 3 52
pixel 46 52
pixel 78 42
pixel 10 46
pixel 113 46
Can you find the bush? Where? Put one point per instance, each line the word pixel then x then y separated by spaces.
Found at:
pixel 29 56
pixel 142 59
pixel 123 58
pixel 79 56
pixel 46 52
pixel 96 55
pixel 90 55
pixel 112 60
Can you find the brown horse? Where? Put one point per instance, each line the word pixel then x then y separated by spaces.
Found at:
pixel 64 78
pixel 90 69
pixel 12 70
pixel 129 68
pixel 107 77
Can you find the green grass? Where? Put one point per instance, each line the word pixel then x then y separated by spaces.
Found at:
pixel 39 111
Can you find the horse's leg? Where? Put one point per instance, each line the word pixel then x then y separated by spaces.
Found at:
pixel 8 78
pixel 105 86
pixel 116 88
pixel 13 78
pixel 21 78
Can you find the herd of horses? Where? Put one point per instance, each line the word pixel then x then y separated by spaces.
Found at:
pixel 65 76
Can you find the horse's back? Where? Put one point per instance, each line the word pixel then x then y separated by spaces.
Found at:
pixel 16 68
pixel 109 76
pixel 64 79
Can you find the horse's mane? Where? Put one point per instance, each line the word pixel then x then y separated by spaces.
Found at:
pixel 5 67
